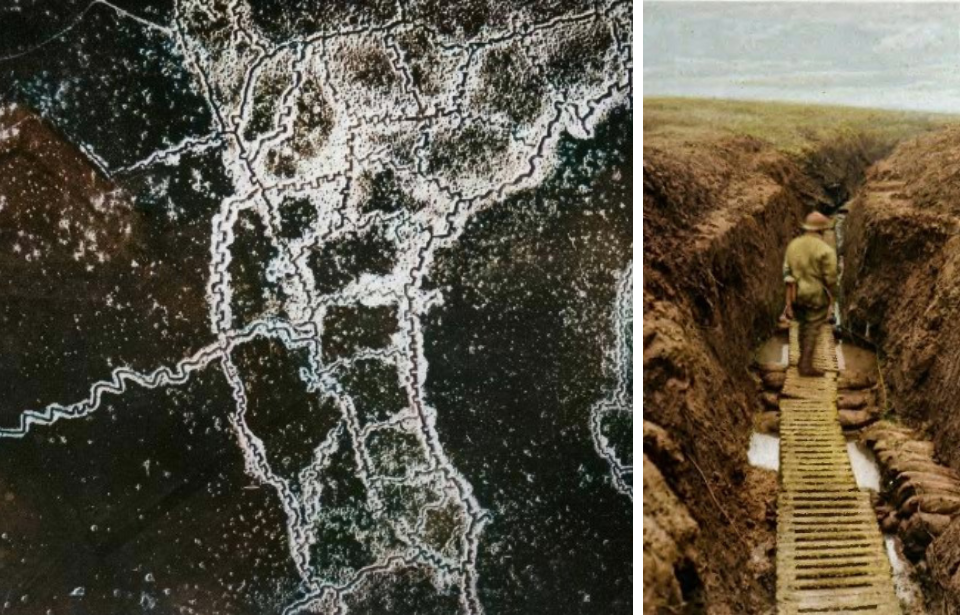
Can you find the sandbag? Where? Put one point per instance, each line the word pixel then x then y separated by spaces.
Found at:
pixel 770 367
pixel 773 381
pixel 855 419
pixel 939 503
pixel 887 430
pixel 770 400
pixel 921 465
pixel 854 400
pixel 853 379
pixel 918 532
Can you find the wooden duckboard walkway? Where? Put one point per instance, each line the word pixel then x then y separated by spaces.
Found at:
pixel 830 553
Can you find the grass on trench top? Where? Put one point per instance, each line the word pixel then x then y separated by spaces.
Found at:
pixel 792 128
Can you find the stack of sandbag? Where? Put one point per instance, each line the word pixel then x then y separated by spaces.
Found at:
pixel 770 379
pixel 919 496
pixel 857 399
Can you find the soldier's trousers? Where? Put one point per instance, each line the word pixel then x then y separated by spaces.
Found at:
pixel 811 323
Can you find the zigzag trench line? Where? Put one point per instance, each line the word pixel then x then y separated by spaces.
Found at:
pixel 333 170
pixel 121 376
pixel 621 399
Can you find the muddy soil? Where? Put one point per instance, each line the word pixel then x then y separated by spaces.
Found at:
pixel 716 218
pixel 902 278
pixel 773 350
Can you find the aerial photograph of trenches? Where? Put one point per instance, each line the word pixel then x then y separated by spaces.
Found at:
pixel 801 304
pixel 316 307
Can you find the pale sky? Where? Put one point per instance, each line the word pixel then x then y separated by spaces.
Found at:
pixel 900 56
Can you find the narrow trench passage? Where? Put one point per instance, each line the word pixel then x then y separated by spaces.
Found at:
pixel 764 453
pixel 831 556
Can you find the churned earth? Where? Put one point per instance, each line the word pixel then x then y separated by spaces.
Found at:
pixel 902 285
pixel 316 307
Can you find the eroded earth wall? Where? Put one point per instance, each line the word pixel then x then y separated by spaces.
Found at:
pixel 716 219
pixel 902 279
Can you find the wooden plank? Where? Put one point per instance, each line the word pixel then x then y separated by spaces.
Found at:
pixel 830 554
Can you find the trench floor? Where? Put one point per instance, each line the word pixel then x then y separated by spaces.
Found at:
pixel 830 552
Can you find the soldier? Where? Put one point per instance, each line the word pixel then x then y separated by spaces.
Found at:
pixel 810 276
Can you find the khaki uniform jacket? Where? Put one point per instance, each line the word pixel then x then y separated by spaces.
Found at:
pixel 812 264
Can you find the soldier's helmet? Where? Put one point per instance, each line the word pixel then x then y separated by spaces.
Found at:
pixel 816 221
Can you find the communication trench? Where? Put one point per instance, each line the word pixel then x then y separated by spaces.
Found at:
pixel 765 492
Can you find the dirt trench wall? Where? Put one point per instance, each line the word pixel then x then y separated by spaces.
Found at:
pixel 902 277
pixel 716 220
pixel 839 164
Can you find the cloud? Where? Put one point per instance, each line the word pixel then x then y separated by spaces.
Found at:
pixel 913 37
pixel 869 55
